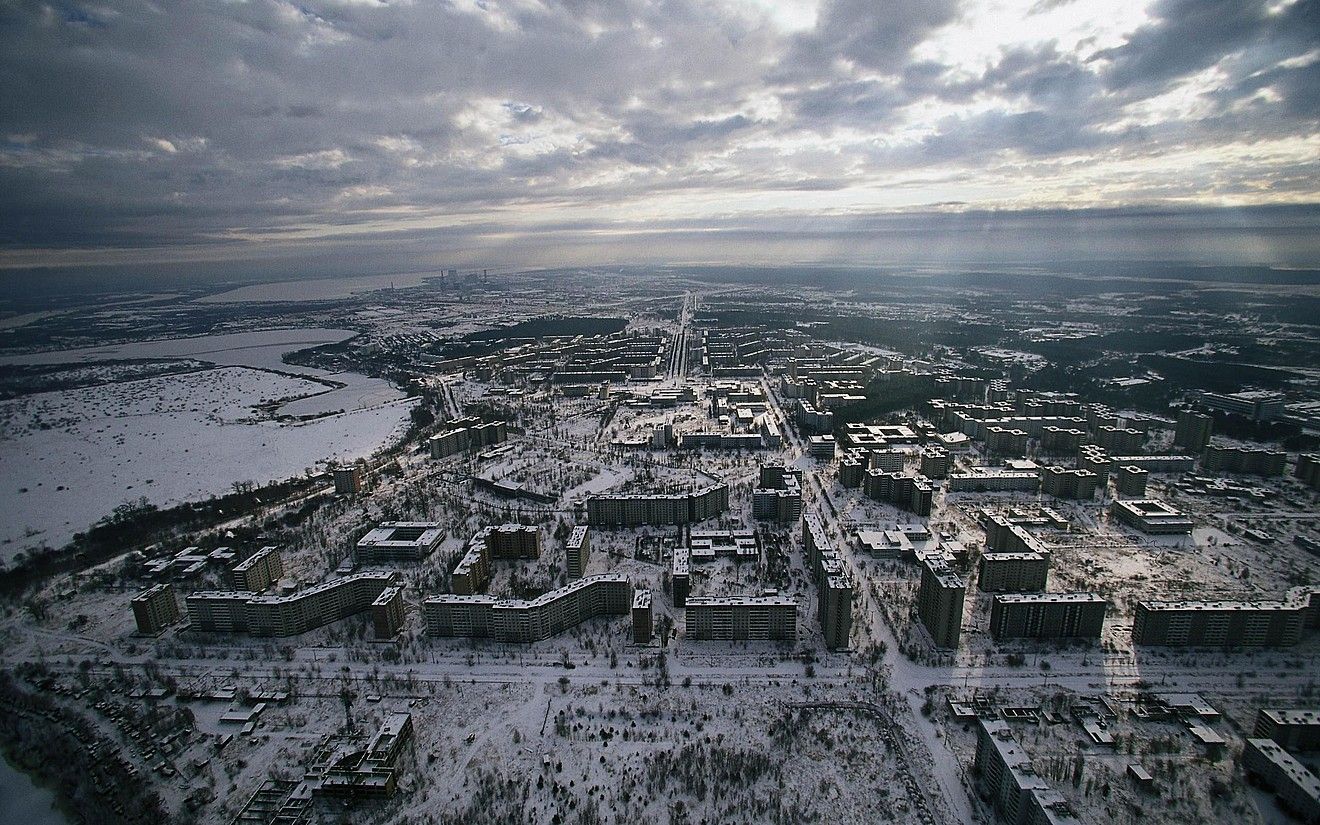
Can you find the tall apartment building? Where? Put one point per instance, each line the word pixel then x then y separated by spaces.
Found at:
pixel 1005 441
pixel 387 612
pixel 577 550
pixel 1097 460
pixel 1308 470
pixel 1061 482
pixel 466 434
pixel 657 510
pixel 643 617
pixel 1297 729
pixel 515 620
pixel 1018 794
pixel 1130 480
pixel 1047 616
pixel 258 571
pixel 779 496
pixel 1119 439
pixel 936 462
pixel 835 605
pixel 155 608
pixel 1193 430
pixel 1244 460
pixel 506 542
pixel 725 618
pixel 1012 572
pixel 348 480
pixel 1061 440
pixel 940 601
pixel 679 576
pixel 1295 786
pixel 1227 624
pixel 286 615
pixel 399 541
pixel 914 493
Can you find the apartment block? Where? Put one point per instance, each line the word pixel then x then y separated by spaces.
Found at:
pixel 258 571
pixel 994 480
pixel 516 620
pixel 577 550
pixel 1193 430
pixel 1253 404
pixel 745 618
pixel 1047 616
pixel 657 510
pixel 155 608
pixel 936 462
pixel 1252 461
pixel 680 575
pixel 286 615
pixel 643 617
pixel 940 601
pixel 506 542
pixel 1017 793
pixel 1227 624
pixel 1061 482
pixel 399 541
pixel 387 612
pixel 1012 572
pixel 779 496
pixel 913 493
pixel 1297 729
pixel 348 480
pixel 1308 470
pixel 835 606
pixel 1130 480
pixel 1296 787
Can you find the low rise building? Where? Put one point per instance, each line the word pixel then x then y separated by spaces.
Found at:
pixel 399 541
pixel 1151 516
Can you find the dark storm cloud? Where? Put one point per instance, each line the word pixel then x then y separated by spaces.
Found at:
pixel 140 124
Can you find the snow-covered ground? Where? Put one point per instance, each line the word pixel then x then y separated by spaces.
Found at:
pixel 71 457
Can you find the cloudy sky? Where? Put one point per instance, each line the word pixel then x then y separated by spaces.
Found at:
pixel 468 130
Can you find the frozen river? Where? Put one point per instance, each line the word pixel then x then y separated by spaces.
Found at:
pixel 22 801
pixel 72 456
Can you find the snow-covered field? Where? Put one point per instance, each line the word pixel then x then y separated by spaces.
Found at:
pixel 71 457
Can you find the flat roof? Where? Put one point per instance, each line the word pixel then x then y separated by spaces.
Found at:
pixel 1050 598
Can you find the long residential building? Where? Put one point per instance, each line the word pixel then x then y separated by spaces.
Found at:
pixel 1227 624
pixel 741 618
pixel 1244 460
pixel 1012 572
pixel 1018 794
pixel 516 620
pixel 286 615
pixel 1296 729
pixel 1295 786
pixel 1047 616
pixel 636 510
pixel 994 480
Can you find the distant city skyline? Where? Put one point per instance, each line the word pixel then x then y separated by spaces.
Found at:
pixel 542 134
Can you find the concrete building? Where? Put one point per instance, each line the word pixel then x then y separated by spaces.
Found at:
pixel 1005 441
pixel 348 480
pixel 577 550
pixel 1226 624
pixel 467 434
pixel 515 620
pixel 914 493
pixel 821 447
pixel 1007 781
pixel 1297 729
pixel 1119 439
pixel 387 612
pixel 286 615
pixel 1061 440
pixel 1151 516
pixel 1012 572
pixel 940 601
pixel 1296 787
pixel 155 608
pixel 1308 470
pixel 936 462
pixel 1047 616
pixel 707 545
pixel 1243 460
pixel 1093 458
pixel 679 576
pixel 258 571
pixel 1193 430
pixel 1256 405
pixel 835 604
pixel 741 618
pixel 993 480
pixel 779 496
pixel 1061 482
pixel 1130 480
pixel 643 618
pixel 399 541
pixel 657 510
pixel 506 542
